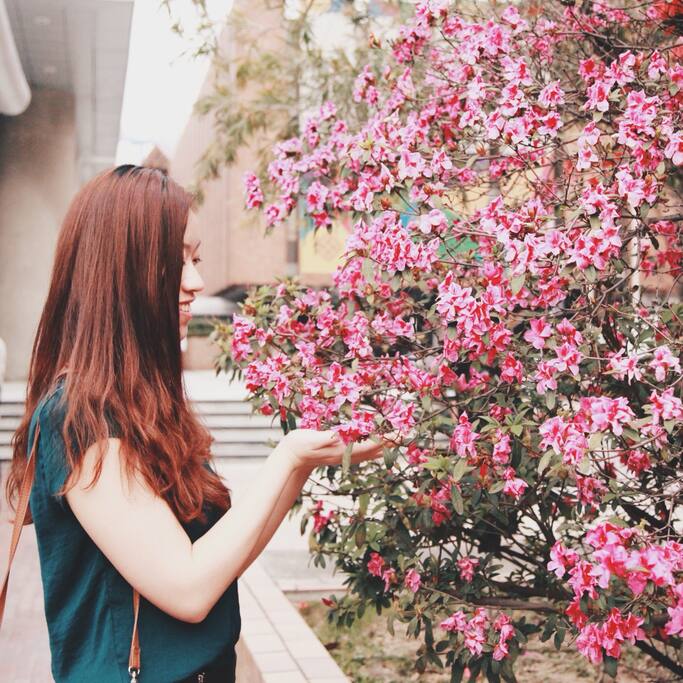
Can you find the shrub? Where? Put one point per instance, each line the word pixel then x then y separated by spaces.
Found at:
pixel 507 302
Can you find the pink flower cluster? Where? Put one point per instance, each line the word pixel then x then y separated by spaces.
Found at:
pixel 321 519
pixel 478 630
pixel 498 334
pixel 621 556
pixel 378 567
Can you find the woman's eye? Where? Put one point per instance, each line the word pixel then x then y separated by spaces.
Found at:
pixel 196 260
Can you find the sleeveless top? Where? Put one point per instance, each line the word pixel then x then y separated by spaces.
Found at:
pixel 89 605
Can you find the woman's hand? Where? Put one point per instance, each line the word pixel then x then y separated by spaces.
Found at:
pixel 312 448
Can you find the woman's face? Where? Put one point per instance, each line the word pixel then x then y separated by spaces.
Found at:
pixel 191 283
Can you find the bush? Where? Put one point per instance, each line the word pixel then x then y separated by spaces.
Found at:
pixel 516 185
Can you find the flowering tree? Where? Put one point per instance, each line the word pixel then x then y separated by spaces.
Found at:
pixel 516 185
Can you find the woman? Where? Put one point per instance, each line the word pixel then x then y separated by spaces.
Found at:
pixel 124 496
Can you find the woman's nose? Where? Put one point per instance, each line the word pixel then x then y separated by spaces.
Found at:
pixel 192 280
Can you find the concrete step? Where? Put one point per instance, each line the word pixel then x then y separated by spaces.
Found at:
pixel 220 435
pixel 239 421
pixel 12 409
pixel 16 408
pixel 223 451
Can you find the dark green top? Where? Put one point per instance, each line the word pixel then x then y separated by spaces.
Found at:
pixel 89 605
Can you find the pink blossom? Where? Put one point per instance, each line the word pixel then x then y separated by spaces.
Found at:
pixel 413 580
pixel 501 447
pixel 463 437
pixel 456 622
pixel 589 643
pixel 389 578
pixel 675 624
pixel 514 486
pixel 315 197
pixel 539 332
pixel 582 579
pixel 598 95
pixel 467 565
pixel 625 366
pixel 561 559
pixel 674 148
pixel 545 377
pixel 568 358
pixel 376 564
pixel 252 187
pixel 511 369
pixel 320 519
pixel 551 95
pixel 605 413
pixel 665 406
pixel 663 362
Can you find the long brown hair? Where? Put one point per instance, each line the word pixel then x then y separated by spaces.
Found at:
pixel 111 318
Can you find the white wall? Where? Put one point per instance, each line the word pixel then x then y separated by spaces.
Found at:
pixel 38 178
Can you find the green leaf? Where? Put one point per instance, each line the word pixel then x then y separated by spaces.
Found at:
pixel 550 399
pixel 517 283
pixel 491 675
pixel 346 458
pixel 459 469
pixel 457 672
pixel 457 501
pixel 413 628
pixel 497 487
pixel 544 461
pixel 595 441
pixel 390 456
pixel 390 623
pixel 559 637
pixel 610 666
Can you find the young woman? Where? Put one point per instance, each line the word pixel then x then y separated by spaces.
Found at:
pixel 125 496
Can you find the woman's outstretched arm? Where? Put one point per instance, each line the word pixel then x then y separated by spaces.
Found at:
pixel 288 496
pixel 139 534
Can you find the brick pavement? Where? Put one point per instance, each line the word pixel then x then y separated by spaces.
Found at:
pixel 24 646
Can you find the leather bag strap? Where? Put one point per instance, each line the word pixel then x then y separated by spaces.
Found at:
pixel 19 517
pixel 22 507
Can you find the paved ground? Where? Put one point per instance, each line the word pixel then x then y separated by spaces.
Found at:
pixel 24 647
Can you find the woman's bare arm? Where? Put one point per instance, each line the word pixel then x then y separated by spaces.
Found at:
pixel 139 534
pixel 284 504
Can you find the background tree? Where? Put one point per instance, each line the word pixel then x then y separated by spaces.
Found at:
pixel 262 91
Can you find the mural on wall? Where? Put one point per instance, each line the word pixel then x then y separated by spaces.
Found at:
pixel 319 250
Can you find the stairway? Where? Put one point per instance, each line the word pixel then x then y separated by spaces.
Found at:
pixel 240 436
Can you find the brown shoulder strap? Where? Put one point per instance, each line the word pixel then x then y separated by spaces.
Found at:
pixel 19 517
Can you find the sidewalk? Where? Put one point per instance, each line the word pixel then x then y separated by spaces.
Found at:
pixel 25 646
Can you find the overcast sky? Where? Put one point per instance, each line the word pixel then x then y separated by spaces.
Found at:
pixel 161 83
